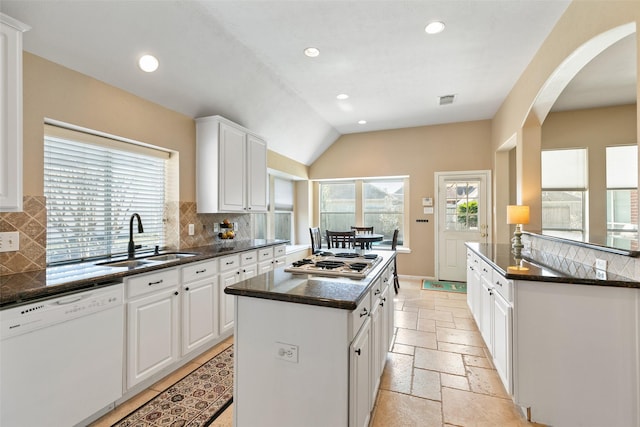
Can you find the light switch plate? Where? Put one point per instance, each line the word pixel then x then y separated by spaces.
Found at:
pixel 9 241
pixel 192 230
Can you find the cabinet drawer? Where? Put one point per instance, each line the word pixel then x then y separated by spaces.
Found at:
pixel 280 251
pixel 360 314
pixel 485 269
pixel 229 262
pixel 199 270
pixel 151 282
pixel 376 291
pixel 503 285
pixel 249 257
pixel 265 254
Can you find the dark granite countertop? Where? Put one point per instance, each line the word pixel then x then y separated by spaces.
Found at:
pixel 502 259
pixel 63 279
pixel 335 292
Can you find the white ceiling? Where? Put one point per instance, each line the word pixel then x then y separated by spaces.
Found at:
pixel 243 59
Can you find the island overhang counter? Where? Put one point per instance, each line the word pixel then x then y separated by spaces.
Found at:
pixel 309 350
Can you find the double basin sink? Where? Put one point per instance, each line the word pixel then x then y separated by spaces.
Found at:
pixel 148 260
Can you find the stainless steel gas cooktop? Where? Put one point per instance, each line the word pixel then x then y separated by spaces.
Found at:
pixel 346 264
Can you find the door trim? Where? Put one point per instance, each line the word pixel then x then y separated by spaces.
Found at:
pixel 436 220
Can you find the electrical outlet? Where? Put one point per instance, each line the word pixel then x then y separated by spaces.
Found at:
pixel 216 227
pixel 601 264
pixel 288 352
pixel 9 241
pixel 192 229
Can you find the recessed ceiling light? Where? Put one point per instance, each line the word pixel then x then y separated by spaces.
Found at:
pixel 343 96
pixel 312 52
pixel 148 63
pixel 362 122
pixel 434 27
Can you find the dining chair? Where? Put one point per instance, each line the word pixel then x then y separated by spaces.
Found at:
pixel 394 244
pixel 363 230
pixel 341 239
pixel 316 239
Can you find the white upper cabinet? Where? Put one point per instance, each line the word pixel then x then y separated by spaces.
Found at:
pixel 11 113
pixel 231 164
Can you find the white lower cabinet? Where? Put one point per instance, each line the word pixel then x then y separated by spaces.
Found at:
pixel 489 296
pixel 502 339
pixel 152 323
pixel 230 272
pixel 360 377
pixel 199 304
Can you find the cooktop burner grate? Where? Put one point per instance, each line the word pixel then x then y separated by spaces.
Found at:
pixel 329 265
pixel 346 255
pixel 358 266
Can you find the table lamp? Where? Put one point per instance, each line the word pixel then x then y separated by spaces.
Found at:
pixel 518 215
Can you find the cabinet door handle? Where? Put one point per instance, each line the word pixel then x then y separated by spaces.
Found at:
pixel 229 263
pixel 176 293
pixel 364 312
pixel 377 292
pixel 358 352
pixel 498 283
pixel 186 289
pixel 155 283
pixel 204 270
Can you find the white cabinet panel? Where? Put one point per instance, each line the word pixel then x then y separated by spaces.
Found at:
pixel 152 334
pixel 11 113
pixel 231 167
pixel 360 377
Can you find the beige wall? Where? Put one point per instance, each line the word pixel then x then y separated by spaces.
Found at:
pixel 582 22
pixel 55 92
pixel 416 152
pixel 593 129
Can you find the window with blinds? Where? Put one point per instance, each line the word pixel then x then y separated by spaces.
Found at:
pixel 564 190
pixel 92 187
pixel 283 208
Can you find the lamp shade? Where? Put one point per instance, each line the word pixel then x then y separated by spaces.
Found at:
pixel 517 214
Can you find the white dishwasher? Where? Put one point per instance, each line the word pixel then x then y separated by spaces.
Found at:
pixel 61 359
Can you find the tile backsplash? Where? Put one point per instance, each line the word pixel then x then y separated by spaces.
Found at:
pixel 563 255
pixel 32 226
pixel 31 223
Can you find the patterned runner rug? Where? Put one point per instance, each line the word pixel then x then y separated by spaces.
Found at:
pixel 195 400
pixel 444 286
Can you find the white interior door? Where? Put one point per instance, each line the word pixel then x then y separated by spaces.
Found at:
pixel 463 215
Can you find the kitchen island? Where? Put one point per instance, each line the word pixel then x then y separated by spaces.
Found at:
pixel 566 343
pixel 320 342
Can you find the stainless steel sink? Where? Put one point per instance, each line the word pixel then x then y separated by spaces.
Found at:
pixel 130 263
pixel 169 257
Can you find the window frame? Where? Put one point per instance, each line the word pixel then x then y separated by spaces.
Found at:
pixel 71 154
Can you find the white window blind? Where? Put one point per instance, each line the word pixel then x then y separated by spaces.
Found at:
pixel 283 194
pixel 564 169
pixel 622 166
pixel 91 191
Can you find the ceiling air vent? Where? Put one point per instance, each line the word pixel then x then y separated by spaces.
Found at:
pixel 446 99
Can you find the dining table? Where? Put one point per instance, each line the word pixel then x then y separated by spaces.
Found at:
pixel 364 240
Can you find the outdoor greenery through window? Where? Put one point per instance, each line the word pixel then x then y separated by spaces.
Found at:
pixel 462 205
pixel 622 196
pixel 92 187
pixel 382 206
pixel 564 188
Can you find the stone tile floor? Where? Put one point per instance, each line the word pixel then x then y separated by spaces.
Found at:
pixel 437 373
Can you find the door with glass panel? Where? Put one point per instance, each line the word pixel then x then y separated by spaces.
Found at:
pixel 463 206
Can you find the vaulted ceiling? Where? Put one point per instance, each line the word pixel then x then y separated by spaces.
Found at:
pixel 244 59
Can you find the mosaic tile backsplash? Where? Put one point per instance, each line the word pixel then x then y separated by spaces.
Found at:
pixel 32 226
pixel 31 223
pixel 571 258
